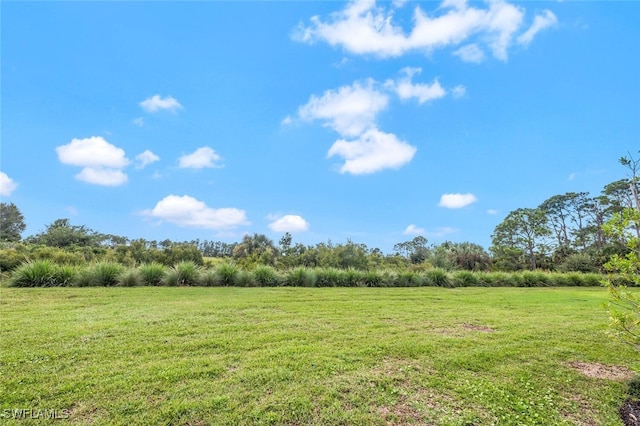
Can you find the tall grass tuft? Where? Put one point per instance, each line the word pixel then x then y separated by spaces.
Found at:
pixel 372 279
pixel 209 278
pixel 438 277
pixel 152 273
pixel 266 276
pixel 245 279
pixel 186 273
pixel 300 277
pixel 227 274
pixel 66 275
pixel 328 277
pixel 409 279
pixel 466 278
pixel 106 274
pixel 130 278
pixel 353 278
pixel 39 273
pixel 534 279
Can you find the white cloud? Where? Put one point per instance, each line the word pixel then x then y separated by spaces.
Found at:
pixel 371 152
pixel 456 201
pixel 493 212
pixel 459 91
pixel 92 152
pixel 406 89
pixel 287 120
pixel 200 158
pixel 156 103
pixel 102 176
pixel 540 22
pixel 364 28
pixel 572 176
pixel 145 158
pixel 289 223
pixel 187 211
pixel 470 53
pixel 138 121
pixel 413 230
pixel 7 185
pixel 350 110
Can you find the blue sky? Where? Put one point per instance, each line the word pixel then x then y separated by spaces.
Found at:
pixel 331 120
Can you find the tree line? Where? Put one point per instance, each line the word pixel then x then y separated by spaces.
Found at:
pixel 566 232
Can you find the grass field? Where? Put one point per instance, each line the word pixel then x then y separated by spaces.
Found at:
pixel 294 356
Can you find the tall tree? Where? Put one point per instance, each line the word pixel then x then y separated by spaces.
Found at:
pixel 522 229
pixel 11 223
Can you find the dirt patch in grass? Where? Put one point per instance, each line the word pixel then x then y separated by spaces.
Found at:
pixel 630 412
pixel 474 327
pixel 602 371
pixel 584 416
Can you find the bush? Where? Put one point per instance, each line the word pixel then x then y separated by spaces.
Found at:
pixel 438 277
pixel 408 279
pixel 66 275
pixel 466 278
pixel 300 277
pixel 152 273
pixel 352 278
pixel 106 274
pixel 130 278
pixel 245 279
pixel 578 262
pixel 534 279
pixel 187 273
pixel 39 273
pixel 266 276
pixel 208 278
pixel 10 259
pixel 328 277
pixel 227 274
pixel 372 279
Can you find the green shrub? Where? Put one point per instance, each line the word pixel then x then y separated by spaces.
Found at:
pixel 438 277
pixel 66 275
pixel 130 278
pixel 328 277
pixel 245 279
pixel 39 273
pixel 300 277
pixel 171 278
pixel 106 274
pixel 266 276
pixel 353 278
pixel 187 273
pixel 84 278
pixel 408 279
pixel 465 278
pixel 592 280
pixel 372 279
pixel 10 259
pixel 227 274
pixel 151 274
pixel 574 279
pixel 534 279
pixel 209 278
pixel 578 262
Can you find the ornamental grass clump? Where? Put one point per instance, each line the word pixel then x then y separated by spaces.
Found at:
pixel 66 275
pixel 106 274
pixel 184 274
pixel 266 276
pixel 300 277
pixel 152 274
pixel 39 273
pixel 438 277
pixel 227 274
pixel 466 278
pixel 130 278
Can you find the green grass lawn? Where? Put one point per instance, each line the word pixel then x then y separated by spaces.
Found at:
pixel 294 356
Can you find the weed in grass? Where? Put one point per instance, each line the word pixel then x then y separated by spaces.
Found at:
pixel 151 274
